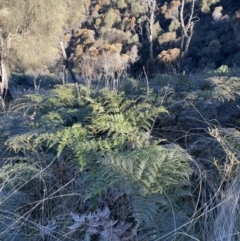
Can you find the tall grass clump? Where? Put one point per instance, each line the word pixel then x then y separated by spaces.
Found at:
pixel 217 217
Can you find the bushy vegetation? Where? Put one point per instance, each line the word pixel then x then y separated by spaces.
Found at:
pixel 98 164
pixel 75 153
pixel 120 134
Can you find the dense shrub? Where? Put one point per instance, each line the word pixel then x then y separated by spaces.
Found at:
pixel 111 18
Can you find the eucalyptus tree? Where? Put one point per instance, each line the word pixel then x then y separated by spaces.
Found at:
pixel 151 8
pixel 187 28
pixel 30 33
pixel 187 25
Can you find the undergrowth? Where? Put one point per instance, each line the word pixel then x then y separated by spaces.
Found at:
pixel 81 164
pixel 88 167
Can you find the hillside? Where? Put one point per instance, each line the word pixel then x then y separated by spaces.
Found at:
pixel 119 31
pixel 120 131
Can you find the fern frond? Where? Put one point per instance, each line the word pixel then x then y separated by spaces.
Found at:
pixel 51 119
pixel 145 208
pixel 67 94
pixel 21 142
pixel 67 137
pixel 14 177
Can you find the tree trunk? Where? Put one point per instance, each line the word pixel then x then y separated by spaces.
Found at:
pixel 3 74
pixel 151 6
pixel 67 65
pixel 187 32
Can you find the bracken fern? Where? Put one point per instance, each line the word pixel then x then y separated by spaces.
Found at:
pixel 106 152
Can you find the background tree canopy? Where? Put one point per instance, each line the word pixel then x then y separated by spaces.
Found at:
pixel 31 30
